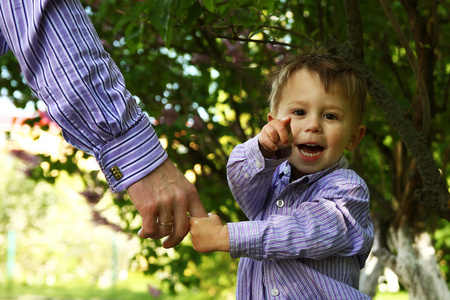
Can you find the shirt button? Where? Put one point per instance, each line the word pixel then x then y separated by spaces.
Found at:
pixel 275 292
pixel 280 203
pixel 258 164
pixel 246 176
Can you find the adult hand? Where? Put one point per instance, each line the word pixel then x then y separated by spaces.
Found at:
pixel 164 197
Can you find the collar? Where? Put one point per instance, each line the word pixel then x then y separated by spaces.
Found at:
pixel 285 171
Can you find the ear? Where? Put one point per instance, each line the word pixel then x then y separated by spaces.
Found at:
pixel 356 137
pixel 270 116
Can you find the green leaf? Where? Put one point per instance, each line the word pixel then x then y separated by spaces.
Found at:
pixel 244 13
pixel 160 17
pixel 194 13
pixel 209 5
pixel 121 22
pixel 253 33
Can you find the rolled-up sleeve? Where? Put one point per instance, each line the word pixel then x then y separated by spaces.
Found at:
pixel 65 65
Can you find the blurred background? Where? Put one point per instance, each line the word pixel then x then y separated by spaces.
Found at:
pixel 198 69
pixel 58 240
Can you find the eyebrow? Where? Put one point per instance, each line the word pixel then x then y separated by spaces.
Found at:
pixel 306 103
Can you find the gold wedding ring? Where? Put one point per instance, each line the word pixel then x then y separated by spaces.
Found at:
pixel 164 224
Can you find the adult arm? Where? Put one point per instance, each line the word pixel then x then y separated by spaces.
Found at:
pixel 65 65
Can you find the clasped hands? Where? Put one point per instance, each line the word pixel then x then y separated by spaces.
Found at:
pixel 208 234
pixel 162 198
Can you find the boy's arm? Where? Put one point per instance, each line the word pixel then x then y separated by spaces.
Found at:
pixel 315 229
pixel 250 175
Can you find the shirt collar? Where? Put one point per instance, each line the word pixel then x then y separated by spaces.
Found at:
pixel 342 163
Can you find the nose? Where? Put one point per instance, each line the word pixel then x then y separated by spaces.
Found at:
pixel 313 124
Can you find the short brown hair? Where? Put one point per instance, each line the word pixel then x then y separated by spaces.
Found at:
pixel 336 75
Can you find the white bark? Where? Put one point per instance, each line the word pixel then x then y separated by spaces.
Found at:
pixel 415 265
pixel 368 279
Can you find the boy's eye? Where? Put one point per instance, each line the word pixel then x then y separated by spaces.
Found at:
pixel 299 112
pixel 330 116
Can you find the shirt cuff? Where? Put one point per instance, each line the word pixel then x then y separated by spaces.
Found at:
pixel 256 159
pixel 131 156
pixel 245 239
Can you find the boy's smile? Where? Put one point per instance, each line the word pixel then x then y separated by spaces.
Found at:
pixel 310 152
pixel 322 124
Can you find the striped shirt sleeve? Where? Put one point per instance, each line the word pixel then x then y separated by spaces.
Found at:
pixel 65 65
pixel 249 176
pixel 316 229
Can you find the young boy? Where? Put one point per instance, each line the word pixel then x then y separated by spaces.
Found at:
pixel 310 230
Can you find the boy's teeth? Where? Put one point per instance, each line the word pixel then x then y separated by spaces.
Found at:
pixel 310 150
pixel 309 154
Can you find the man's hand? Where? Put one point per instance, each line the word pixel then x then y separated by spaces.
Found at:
pixel 209 234
pixel 164 197
pixel 275 135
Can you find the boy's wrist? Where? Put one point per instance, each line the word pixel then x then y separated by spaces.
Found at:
pixel 266 153
pixel 224 240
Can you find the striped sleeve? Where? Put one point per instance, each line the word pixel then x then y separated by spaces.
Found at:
pixel 65 65
pixel 249 176
pixel 315 231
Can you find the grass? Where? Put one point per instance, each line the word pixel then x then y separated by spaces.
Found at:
pixel 45 292
pixel 134 287
pixel 24 292
pixel 401 295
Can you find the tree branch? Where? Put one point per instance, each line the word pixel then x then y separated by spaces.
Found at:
pixel 422 89
pixel 434 195
pixel 354 27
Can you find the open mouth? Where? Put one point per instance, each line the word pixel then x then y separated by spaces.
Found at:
pixel 310 150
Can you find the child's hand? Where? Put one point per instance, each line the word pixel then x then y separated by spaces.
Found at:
pixel 275 135
pixel 208 234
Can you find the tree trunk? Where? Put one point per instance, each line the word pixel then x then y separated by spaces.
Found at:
pixel 368 280
pixel 415 264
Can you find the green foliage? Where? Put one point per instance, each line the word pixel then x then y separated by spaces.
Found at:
pixel 198 69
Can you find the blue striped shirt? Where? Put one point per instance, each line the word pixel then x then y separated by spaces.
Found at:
pixel 66 66
pixel 307 239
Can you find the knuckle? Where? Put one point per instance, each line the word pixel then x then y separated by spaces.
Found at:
pixel 149 233
pixel 190 190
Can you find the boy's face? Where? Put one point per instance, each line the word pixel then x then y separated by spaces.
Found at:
pixel 322 124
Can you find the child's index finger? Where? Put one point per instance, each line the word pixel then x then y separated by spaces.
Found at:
pixel 286 140
pixel 286 121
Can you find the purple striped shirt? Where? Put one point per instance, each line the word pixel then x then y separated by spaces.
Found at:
pixel 307 239
pixel 66 66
